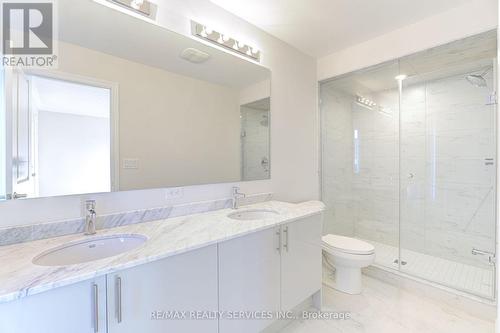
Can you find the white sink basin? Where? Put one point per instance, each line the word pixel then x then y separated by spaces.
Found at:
pixel 253 214
pixel 89 249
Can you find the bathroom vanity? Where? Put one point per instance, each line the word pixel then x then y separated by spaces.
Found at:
pixel 264 258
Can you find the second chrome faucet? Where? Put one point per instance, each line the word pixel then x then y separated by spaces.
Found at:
pixel 90 217
pixel 236 196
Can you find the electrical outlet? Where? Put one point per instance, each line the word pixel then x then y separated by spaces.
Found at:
pixel 130 163
pixel 174 193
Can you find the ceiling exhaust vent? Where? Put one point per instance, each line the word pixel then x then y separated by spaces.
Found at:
pixel 195 56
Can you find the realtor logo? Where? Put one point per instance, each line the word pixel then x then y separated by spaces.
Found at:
pixel 28 33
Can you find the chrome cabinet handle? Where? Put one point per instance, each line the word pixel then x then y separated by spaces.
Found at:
pixel 96 308
pixel 119 299
pixel 278 233
pixel 286 232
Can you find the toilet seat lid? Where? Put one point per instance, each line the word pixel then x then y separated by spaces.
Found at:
pixel 348 244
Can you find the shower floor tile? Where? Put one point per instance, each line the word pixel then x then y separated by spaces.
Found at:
pixel 471 279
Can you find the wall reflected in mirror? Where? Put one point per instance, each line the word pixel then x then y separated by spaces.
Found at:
pixel 255 157
pixel 131 106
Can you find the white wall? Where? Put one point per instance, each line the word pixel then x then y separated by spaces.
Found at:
pixel 255 92
pixel 294 128
pixel 73 153
pixel 469 19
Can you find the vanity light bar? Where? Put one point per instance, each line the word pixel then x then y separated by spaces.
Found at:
pixel 365 102
pixel 142 7
pixel 218 38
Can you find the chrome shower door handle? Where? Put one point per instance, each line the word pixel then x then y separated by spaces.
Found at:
pixel 491 255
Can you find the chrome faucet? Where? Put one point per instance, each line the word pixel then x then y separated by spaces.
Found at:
pixel 90 217
pixel 236 195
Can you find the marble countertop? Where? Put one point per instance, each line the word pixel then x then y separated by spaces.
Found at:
pixel 19 277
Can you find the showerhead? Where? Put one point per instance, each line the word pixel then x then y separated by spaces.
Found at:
pixel 478 80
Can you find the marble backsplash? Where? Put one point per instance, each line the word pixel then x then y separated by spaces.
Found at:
pixel 26 233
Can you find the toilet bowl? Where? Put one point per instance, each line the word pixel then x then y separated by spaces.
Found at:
pixel 347 255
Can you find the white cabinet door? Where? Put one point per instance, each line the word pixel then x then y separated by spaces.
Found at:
pixel 300 261
pixel 140 299
pixel 249 279
pixel 78 308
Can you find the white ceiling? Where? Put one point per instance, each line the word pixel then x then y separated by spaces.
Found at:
pixel 320 27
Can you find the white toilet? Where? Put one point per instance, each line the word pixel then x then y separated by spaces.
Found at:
pixel 347 255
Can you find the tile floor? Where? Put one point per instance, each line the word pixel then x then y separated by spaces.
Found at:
pixel 383 308
pixel 468 278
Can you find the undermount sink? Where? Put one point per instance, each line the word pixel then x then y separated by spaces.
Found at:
pixel 253 214
pixel 91 249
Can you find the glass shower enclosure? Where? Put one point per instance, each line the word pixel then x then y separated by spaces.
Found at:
pixel 409 162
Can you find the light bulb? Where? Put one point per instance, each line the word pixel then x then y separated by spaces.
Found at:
pixel 136 4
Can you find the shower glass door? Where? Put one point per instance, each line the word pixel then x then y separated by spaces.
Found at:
pixel 448 167
pixel 360 158
pixel 409 162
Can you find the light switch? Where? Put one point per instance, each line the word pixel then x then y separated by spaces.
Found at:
pixel 130 163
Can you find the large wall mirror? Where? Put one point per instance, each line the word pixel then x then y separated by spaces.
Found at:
pixel 131 107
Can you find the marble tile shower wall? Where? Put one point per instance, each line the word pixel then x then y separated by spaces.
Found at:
pixel 447 200
pixel 449 188
pixel 375 182
pixel 337 162
pixel 360 167
pixel 255 127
